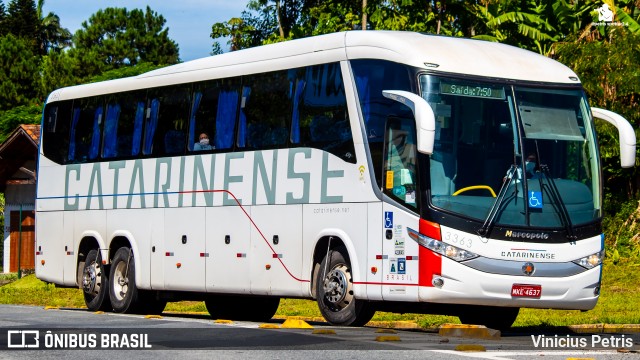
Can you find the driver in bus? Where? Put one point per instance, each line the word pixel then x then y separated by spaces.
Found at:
pixel 203 143
pixel 530 167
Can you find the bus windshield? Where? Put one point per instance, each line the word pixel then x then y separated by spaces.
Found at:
pixel 532 148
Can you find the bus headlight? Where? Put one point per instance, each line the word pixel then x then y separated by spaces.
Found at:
pixel 591 261
pixel 437 246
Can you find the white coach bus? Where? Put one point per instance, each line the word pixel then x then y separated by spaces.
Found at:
pixel 368 170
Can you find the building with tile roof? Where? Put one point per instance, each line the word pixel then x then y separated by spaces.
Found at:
pixel 18 157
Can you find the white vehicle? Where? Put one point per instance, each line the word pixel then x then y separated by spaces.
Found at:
pixel 368 170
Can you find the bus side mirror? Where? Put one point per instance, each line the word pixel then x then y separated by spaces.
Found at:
pixel 424 117
pixel 625 132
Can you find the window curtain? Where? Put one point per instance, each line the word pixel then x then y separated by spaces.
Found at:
pixel 192 122
pixel 225 119
pixel 242 124
pixel 72 137
pixel 109 148
pixel 152 125
pixel 95 137
pixel 295 120
pixel 137 129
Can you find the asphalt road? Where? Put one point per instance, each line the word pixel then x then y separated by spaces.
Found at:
pixel 76 333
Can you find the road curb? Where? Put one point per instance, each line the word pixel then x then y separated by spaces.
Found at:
pixel 605 328
pixel 469 331
pixel 401 324
pixel 295 324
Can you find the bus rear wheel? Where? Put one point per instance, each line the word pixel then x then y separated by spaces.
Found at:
pixel 95 282
pixel 123 292
pixel 334 289
pixel 493 317
pixel 243 308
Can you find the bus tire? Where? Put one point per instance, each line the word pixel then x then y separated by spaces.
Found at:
pixel 95 282
pixel 243 308
pixel 334 290
pixel 123 292
pixel 493 317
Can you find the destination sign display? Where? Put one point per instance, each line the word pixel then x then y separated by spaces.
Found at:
pixel 472 90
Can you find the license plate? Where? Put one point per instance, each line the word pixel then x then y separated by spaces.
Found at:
pixel 525 290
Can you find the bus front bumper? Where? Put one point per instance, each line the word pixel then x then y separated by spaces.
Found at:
pixel 464 285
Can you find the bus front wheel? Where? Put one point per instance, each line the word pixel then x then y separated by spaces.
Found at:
pixel 334 287
pixel 123 292
pixel 95 282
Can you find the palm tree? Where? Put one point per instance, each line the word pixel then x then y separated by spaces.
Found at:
pixel 517 23
pixel 51 36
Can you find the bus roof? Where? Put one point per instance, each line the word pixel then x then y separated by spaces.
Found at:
pixel 437 53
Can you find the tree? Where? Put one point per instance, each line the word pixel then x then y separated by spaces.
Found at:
pixel 18 72
pixel 241 35
pixel 22 21
pixel 114 37
pixel 23 114
pixel 51 35
pixel 57 69
pixel 522 24
pixel 609 69
pixel 4 26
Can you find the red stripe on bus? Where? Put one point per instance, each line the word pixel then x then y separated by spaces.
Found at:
pixel 429 264
pixel 252 223
pixel 383 284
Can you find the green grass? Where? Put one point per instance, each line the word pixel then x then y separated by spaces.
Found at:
pixel 31 291
pixel 619 291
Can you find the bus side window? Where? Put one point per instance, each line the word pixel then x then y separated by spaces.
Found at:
pixel 213 111
pixel 123 125
pixel 166 132
pixel 371 78
pixel 55 143
pixel 84 141
pixel 265 110
pixel 320 118
pixel 400 161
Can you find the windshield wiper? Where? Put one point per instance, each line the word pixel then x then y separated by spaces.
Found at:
pixel 491 217
pixel 553 191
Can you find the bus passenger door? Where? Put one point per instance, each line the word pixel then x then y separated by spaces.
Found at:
pixel 184 249
pixel 228 241
pixel 400 211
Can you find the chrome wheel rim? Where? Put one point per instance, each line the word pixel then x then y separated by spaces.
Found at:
pixel 92 279
pixel 120 281
pixel 337 288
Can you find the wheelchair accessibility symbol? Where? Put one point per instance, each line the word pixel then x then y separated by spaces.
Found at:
pixel 535 199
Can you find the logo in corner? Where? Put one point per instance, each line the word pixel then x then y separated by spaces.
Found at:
pixel 604 13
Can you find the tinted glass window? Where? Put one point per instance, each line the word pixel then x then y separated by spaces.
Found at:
pixel 320 118
pixel 84 135
pixel 166 122
pixel 55 134
pixel 265 111
pixel 400 161
pixel 213 115
pixel 122 134
pixel 373 76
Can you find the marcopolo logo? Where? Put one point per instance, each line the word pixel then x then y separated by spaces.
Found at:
pixel 526 235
